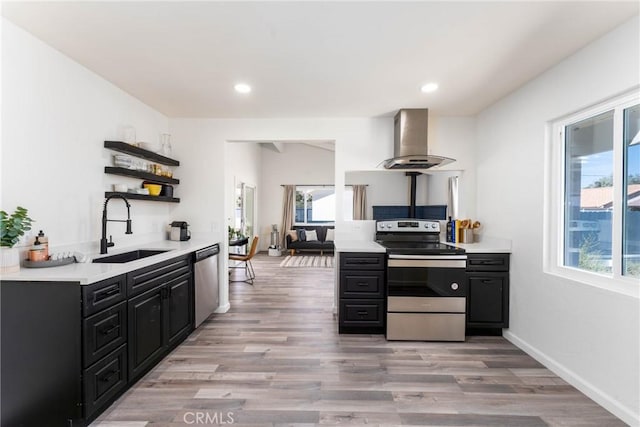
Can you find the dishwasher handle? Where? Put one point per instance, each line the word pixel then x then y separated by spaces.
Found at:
pixel 207 252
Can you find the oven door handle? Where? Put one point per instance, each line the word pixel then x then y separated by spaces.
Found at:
pixel 429 257
pixel 427 263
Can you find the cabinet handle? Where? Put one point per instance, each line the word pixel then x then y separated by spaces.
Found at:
pixel 363 284
pixel 487 281
pixel 107 331
pixel 489 262
pixel 363 313
pixel 108 376
pixel 107 293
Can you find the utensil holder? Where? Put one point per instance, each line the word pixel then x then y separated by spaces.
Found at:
pixel 467 235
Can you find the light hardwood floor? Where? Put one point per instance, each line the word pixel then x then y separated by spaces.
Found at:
pixel 276 359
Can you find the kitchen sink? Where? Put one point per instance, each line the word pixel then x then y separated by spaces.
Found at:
pixel 129 256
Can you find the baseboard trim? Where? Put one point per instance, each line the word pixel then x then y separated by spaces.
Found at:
pixel 593 392
pixel 223 308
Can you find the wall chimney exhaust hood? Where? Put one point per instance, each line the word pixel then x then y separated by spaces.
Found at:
pixel 410 142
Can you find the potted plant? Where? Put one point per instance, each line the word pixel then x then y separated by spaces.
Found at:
pixel 12 228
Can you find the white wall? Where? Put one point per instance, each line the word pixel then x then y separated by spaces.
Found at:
pixel 55 116
pixel 298 164
pixel 455 137
pixel 588 335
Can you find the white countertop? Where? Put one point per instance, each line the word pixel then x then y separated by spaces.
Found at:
pixel 86 273
pixel 487 245
pixel 358 246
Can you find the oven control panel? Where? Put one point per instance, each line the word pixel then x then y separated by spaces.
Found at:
pixel 409 225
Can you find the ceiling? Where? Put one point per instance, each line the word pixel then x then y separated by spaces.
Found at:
pixel 318 59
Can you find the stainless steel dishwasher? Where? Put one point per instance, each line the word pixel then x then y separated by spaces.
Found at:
pixel 206 278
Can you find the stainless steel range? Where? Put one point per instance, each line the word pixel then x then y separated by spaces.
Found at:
pixel 426 282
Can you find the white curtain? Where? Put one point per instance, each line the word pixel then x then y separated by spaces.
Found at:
pixel 359 202
pixel 288 201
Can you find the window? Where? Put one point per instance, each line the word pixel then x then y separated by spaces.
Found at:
pixel 316 204
pixel 588 193
pixel 595 194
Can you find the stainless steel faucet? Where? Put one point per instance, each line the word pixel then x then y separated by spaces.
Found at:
pixel 103 240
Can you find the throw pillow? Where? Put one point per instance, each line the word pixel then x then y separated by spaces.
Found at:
pixel 293 234
pixel 302 235
pixel 312 235
pixel 330 235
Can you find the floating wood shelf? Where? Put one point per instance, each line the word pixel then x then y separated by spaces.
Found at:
pixel 123 147
pixel 140 174
pixel 134 196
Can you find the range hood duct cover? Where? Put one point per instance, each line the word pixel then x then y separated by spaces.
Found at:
pixel 410 142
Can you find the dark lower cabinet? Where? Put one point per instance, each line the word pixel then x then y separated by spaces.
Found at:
pixel 68 351
pixel 488 298
pixel 159 319
pixel 362 293
pixel 147 325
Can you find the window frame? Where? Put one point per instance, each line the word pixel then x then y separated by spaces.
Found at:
pixel 554 219
pixel 303 186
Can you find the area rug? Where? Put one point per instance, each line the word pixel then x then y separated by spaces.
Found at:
pixel 307 261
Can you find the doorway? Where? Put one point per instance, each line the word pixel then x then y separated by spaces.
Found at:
pixel 245 202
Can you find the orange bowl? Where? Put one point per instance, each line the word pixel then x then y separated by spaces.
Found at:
pixel 154 189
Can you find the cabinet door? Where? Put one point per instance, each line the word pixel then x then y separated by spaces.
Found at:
pixel 147 320
pixel 179 309
pixel 487 294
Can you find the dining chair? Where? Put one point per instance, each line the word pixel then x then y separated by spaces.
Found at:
pixel 246 259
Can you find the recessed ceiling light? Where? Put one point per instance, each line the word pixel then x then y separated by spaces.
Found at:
pixel 242 88
pixel 429 87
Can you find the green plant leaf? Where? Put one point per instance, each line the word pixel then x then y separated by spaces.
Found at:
pixel 13 226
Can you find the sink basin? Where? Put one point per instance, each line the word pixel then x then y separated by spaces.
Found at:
pixel 129 256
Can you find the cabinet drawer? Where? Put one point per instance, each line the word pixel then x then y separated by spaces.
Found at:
pixel 149 277
pixel 487 262
pixel 104 332
pixel 362 312
pixel 362 261
pixel 104 380
pixel 100 295
pixel 362 284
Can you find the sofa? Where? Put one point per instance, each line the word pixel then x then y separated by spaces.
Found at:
pixel 297 239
